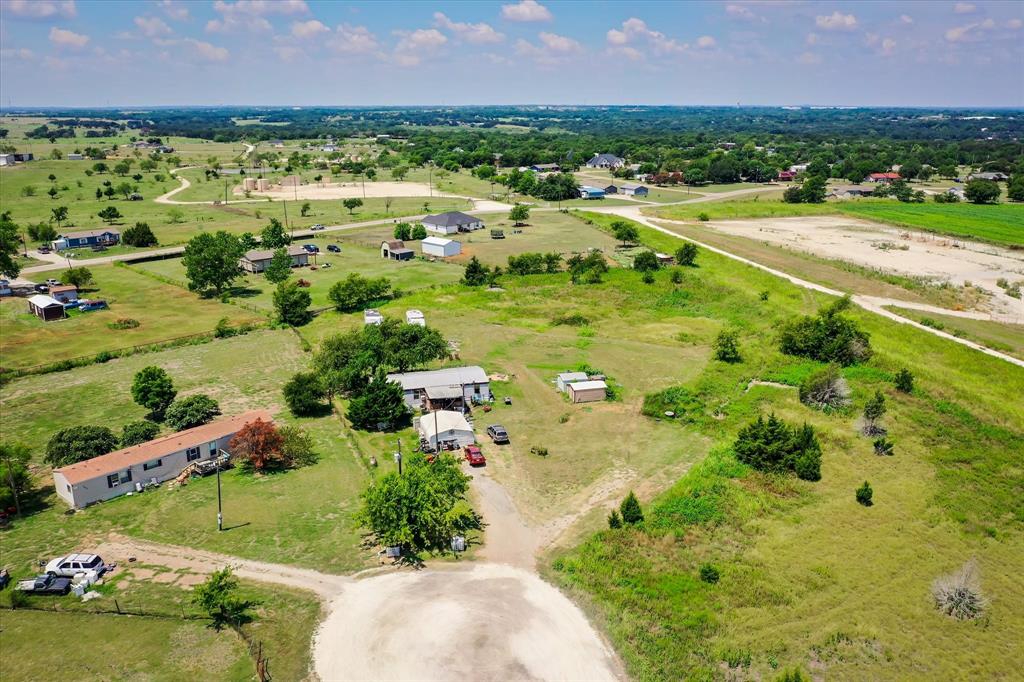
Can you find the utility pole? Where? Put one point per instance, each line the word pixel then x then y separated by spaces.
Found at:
pixel 398 457
pixel 287 227
pixel 220 507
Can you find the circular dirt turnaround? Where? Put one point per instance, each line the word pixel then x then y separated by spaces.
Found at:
pixel 479 622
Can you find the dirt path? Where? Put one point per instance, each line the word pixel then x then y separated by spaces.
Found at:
pixel 874 304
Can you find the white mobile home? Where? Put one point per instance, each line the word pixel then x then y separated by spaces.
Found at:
pixel 116 473
pixel 469 384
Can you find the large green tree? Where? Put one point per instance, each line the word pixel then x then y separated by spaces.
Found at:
pixel 10 240
pixel 191 411
pixel 153 389
pixel 380 405
pixel 422 509
pixel 79 443
pixel 15 477
pixel 291 303
pixel 279 268
pixel 274 236
pixel 355 292
pixel 982 191
pixel 218 598
pixel 211 261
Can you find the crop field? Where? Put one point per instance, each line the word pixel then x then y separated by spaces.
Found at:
pixel 162 311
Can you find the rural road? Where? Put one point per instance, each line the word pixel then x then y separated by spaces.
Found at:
pixel 492 618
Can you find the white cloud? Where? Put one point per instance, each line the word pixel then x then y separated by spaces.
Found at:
pixel 964 8
pixel 22 53
pixel 208 52
pixel 906 19
pixel 308 29
pixel 152 27
pixel 742 13
pixel 64 38
pixel 1014 24
pixel 41 9
pixel 553 49
pixel 812 39
pixel 414 46
pixel 175 10
pixel 526 10
pixel 706 42
pixel 836 22
pixel 289 53
pixel 478 34
pixel 353 40
pixel 809 58
pixel 888 47
pixel 969 33
pixel 250 14
pixel 636 31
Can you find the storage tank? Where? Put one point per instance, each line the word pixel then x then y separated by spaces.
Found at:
pixel 262 184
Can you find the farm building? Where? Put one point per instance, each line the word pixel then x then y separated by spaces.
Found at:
pixel 587 391
pixel 452 222
pixel 995 177
pixel 634 190
pixel 451 387
pixel 588 192
pixel 852 192
pixel 23 157
pixel 883 177
pixel 116 473
pixel 415 317
pixel 257 260
pixel 611 189
pixel 442 248
pixel 606 161
pixel 565 378
pixel 395 249
pixel 45 307
pixel 545 168
pixel 6 159
pixel 786 176
pixel 74 157
pixel 446 427
pixel 371 316
pixel 85 238
pixel 65 293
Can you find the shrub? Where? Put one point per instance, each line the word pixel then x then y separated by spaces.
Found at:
pixel 677 276
pixel 646 261
pixel 195 410
pixel 864 494
pixel 103 356
pixel 826 337
pixel 904 381
pixel 959 594
pixel 572 320
pixel 825 389
pixel 134 433
pixel 217 598
pixel 123 323
pixel 304 394
pixel 631 511
pixel 772 445
pixel 873 411
pixel 883 447
pixel 792 675
pixel 78 443
pixel 687 254
pixel 539 451
pixel 726 347
pixel 648 277
pixel 297 447
pixel 224 329
pixel 703 217
pixel 614 519
pixel 709 573
pixel 355 292
pixel 139 235
pixel 79 276
pixel 763 295
pixel 259 446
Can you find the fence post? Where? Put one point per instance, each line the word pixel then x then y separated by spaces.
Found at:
pixel 117 606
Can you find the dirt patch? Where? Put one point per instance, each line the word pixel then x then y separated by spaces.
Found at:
pixel 481 622
pixel 349 190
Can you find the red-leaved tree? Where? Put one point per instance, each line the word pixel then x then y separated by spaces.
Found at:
pixel 259 443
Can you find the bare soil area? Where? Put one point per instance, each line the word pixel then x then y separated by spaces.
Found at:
pixel 918 254
pixel 348 190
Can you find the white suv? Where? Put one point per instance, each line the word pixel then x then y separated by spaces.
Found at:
pixel 72 564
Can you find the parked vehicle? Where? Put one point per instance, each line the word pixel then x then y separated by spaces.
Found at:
pixel 87 304
pixel 41 288
pixel 75 563
pixel 311 248
pixel 45 584
pixel 5 578
pixel 43 249
pixel 334 248
pixel 53 282
pixel 317 227
pixel 497 433
pixel 474 456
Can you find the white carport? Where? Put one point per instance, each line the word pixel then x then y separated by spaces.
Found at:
pixel 446 426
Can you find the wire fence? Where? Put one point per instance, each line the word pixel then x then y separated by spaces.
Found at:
pixel 118 609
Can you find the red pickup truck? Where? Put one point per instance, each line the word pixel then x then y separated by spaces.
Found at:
pixel 474 456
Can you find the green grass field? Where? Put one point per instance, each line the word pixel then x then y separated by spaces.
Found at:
pixel 163 312
pixel 1006 338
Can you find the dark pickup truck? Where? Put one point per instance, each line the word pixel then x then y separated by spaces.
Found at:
pixel 46 584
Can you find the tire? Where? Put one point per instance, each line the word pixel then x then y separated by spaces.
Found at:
pixel 51 574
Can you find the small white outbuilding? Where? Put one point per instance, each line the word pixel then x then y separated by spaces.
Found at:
pixel 372 316
pixel 588 391
pixel 440 247
pixel 446 426
pixel 565 378
pixel 415 317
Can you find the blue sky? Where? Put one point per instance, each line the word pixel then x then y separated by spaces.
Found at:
pixel 303 52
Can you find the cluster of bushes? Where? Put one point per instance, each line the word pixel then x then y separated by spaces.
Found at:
pixel 828 336
pixel 571 320
pixel 773 446
pixel 405 231
pixel 629 513
pixel 534 264
pixel 355 292
pixel 812 191
pixel 477 274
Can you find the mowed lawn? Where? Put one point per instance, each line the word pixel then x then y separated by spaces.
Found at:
pixel 300 517
pixel 163 311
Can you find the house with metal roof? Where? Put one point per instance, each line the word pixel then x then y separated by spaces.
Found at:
pixel 588 192
pixel 634 190
pixel 395 249
pixel 257 260
pixel 46 308
pixel 440 247
pixel 128 469
pixel 448 387
pixel 606 161
pixel 452 222
pixel 87 238
pixel 443 427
